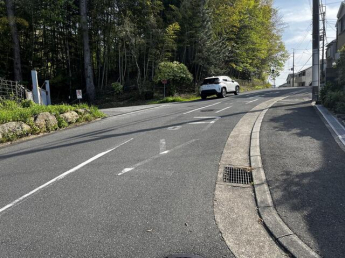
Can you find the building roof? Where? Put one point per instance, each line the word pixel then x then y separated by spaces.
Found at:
pixel 340 9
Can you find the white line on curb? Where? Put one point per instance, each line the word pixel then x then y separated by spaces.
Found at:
pixel 201 108
pixel 340 131
pixel 56 179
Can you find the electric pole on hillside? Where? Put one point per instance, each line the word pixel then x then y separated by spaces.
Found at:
pixel 316 49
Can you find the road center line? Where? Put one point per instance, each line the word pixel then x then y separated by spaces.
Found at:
pixel 223 109
pixel 126 170
pixel 201 108
pixel 58 178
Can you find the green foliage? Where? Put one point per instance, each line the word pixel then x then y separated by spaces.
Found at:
pixel 130 38
pixel 176 74
pixel 332 96
pixel 117 87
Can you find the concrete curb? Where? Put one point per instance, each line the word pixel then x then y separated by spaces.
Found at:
pixel 275 225
pixel 336 128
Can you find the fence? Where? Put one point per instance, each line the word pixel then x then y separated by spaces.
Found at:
pixel 12 90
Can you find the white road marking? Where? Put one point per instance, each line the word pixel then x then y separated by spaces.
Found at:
pixel 216 118
pixel 162 146
pixel 174 128
pixel 154 157
pixel 252 101
pixel 223 109
pixel 198 123
pixel 56 179
pixel 201 108
pixel 139 111
pixel 212 123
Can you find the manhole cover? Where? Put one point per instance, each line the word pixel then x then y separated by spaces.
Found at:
pixel 184 256
pixel 207 110
pixel 236 175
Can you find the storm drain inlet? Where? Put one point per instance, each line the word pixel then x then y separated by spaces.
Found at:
pixel 236 175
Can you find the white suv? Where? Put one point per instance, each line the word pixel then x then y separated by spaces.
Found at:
pixel 220 86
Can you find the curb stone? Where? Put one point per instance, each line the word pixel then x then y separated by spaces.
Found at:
pixel 273 222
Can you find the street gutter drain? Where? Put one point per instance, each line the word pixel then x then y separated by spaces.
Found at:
pixel 237 175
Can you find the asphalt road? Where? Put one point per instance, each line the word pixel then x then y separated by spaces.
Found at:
pixel 305 168
pixel 135 185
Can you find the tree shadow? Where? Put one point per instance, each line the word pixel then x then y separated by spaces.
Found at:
pixel 305 169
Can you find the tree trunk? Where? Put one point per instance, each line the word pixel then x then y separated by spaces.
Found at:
pixel 90 87
pixel 15 38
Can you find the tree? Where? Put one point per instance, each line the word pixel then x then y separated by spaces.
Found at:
pixel 15 38
pixel 176 74
pixel 88 71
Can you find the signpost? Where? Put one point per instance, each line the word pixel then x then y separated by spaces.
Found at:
pixel 79 94
pixel 165 83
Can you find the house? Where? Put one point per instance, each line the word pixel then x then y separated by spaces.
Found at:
pixel 340 25
pixel 302 78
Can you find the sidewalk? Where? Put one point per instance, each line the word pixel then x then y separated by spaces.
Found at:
pixel 305 170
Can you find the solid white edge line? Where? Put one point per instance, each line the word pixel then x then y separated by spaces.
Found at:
pixel 58 178
pixel 201 108
pixel 332 126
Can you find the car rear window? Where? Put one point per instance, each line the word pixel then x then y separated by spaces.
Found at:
pixel 211 81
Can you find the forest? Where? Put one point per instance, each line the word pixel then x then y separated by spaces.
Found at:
pixel 96 44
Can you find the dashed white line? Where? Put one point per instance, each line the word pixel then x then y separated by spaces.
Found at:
pixel 162 146
pixel 201 108
pixel 252 101
pixel 126 170
pixel 56 179
pixel 223 109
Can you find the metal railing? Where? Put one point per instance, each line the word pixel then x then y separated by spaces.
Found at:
pixel 11 90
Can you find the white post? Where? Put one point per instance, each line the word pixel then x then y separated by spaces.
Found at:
pixel 35 89
pixel 49 102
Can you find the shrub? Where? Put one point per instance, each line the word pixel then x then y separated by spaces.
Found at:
pixel 117 87
pixel 177 74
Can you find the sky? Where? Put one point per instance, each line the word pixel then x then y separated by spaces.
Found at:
pixel 297 17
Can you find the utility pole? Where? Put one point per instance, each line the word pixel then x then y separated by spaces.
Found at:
pixel 293 68
pixel 316 50
pixel 323 37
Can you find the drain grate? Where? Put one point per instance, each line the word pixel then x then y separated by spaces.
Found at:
pixel 237 175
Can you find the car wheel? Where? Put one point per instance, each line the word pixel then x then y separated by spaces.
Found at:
pixel 203 96
pixel 222 94
pixel 237 90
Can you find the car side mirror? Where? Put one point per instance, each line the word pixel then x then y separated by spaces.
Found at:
pixel 233 81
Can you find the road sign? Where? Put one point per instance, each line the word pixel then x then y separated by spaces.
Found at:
pixel 79 94
pixel 164 81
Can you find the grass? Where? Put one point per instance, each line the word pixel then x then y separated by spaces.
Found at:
pixel 25 111
pixel 11 111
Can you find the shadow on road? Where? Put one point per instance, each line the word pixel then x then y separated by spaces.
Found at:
pixel 305 168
